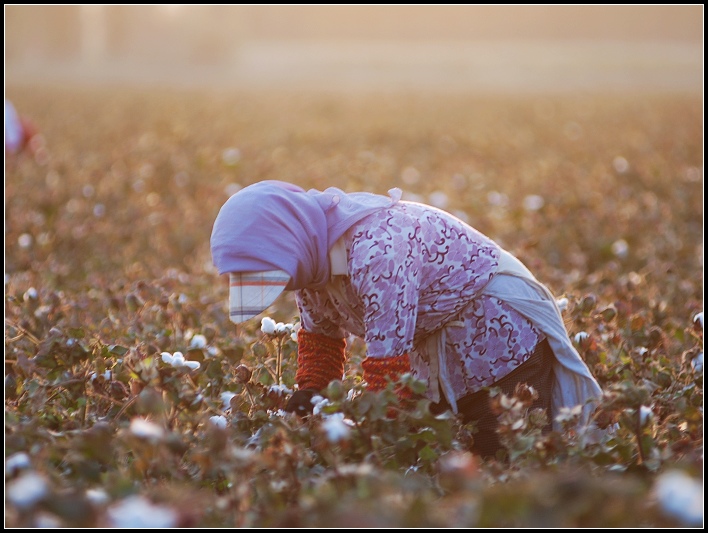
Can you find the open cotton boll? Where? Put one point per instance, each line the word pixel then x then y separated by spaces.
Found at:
pixel 645 415
pixel 198 341
pixel 145 429
pixel 680 497
pixel 16 462
pixel 27 490
pixel 580 337
pixel 226 398
pixel 335 428
pixel 268 325
pixel 697 363
pixel 138 512
pixel 218 420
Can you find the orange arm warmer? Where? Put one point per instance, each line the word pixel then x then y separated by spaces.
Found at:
pixel 376 370
pixel 320 359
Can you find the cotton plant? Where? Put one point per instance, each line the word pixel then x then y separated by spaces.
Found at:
pixel 279 333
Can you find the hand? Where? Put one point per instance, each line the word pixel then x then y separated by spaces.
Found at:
pixel 300 402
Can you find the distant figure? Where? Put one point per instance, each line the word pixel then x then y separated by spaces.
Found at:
pixel 429 294
pixel 19 131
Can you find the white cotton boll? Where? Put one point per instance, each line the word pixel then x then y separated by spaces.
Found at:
pixel 562 303
pixel 138 512
pixel 698 318
pixel 318 403
pixel 27 490
pixel 680 497
pixel 145 429
pixel 580 337
pixel 167 357
pixel 212 351
pixel 226 398
pixel 439 199
pixel 280 328
pixel 97 496
pixel 280 389
pixel 697 363
pixel 497 199
pixel 335 428
pixel 218 420
pixel 198 341
pixel 268 325
pixel 621 164
pixel 25 240
pixel 533 202
pixel 46 521
pixel 16 462
pixel 31 294
pixel 192 365
pixel 178 359
pixel 231 156
pixel 620 248
pixel 645 415
pixel 295 331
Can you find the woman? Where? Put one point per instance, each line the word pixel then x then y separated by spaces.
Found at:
pixel 428 294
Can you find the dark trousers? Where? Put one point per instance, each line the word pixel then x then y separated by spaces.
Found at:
pixel 536 371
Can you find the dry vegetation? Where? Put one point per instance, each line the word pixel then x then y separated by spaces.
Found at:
pixel 107 266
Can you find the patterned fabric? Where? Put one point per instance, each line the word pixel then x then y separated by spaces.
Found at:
pixel 250 293
pixel 412 270
pixel 320 359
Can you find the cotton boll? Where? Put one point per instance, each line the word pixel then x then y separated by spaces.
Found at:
pixel 145 429
pixel 533 202
pixel 16 462
pixel 218 420
pixel 562 303
pixel 335 428
pixel 646 415
pixel 697 363
pixel 197 342
pixel 680 497
pixel 268 325
pixel 138 512
pixel 226 398
pixel 581 337
pixel 620 248
pixel 167 357
pixel 27 490
pixel 439 199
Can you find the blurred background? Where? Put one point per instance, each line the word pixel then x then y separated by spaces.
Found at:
pixel 488 47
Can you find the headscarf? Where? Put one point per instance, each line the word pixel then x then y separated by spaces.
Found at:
pixel 273 225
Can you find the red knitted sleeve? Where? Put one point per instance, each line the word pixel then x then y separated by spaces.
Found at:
pixel 320 359
pixel 377 369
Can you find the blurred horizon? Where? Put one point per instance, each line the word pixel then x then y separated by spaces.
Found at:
pixel 488 47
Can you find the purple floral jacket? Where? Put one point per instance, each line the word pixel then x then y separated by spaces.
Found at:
pixel 412 270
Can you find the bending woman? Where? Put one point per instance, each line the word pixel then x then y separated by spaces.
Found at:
pixel 428 294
